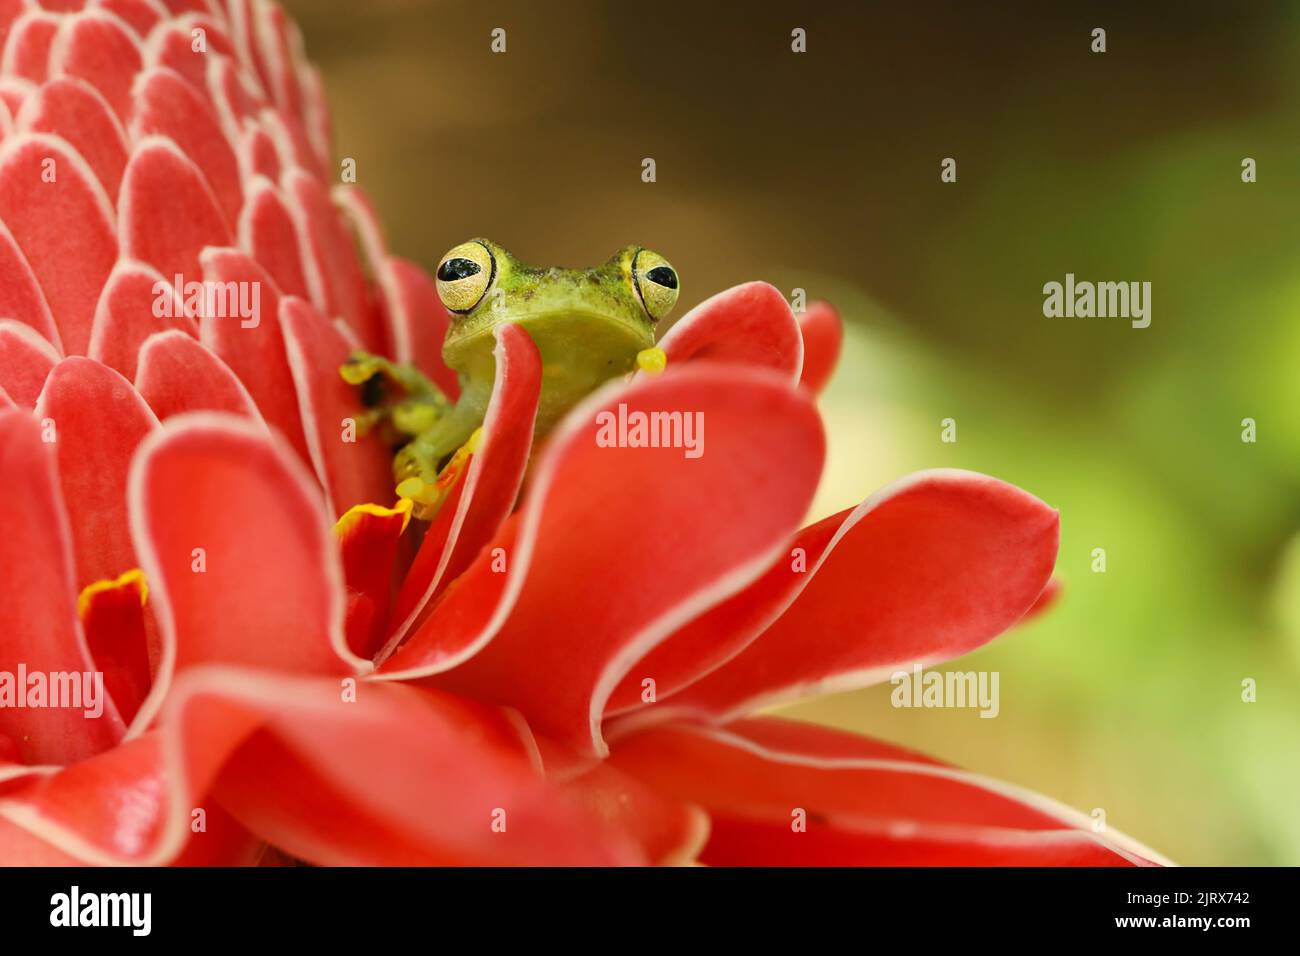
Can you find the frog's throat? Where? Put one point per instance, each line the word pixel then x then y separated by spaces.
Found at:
pixel 585 331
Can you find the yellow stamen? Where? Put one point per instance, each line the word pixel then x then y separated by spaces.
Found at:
pixel 651 361
pixel 127 578
pixel 353 514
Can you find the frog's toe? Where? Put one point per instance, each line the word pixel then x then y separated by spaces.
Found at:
pixel 361 367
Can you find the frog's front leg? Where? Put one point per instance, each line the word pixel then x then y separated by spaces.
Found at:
pixel 395 395
pixel 416 419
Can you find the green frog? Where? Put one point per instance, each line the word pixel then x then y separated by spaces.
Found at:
pixel 590 325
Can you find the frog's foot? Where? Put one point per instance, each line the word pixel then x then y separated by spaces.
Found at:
pixel 420 479
pixel 394 395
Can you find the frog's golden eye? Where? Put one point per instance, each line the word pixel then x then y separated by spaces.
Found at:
pixel 464 276
pixel 655 282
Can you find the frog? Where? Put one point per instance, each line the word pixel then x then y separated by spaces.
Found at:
pixel 590 326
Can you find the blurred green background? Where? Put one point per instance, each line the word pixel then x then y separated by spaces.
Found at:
pixel 821 171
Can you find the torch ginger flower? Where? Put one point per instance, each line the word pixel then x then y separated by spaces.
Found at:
pixel 289 662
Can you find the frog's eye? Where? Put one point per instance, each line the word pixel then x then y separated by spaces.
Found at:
pixel 655 282
pixel 464 276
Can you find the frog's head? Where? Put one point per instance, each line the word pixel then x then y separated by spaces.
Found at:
pixel 594 320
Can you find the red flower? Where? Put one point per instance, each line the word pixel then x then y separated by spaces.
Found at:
pixel 568 681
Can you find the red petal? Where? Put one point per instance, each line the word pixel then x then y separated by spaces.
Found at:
pixel 368 540
pixel 823 334
pixel 426 322
pixel 326 781
pixel 10 10
pixel 925 570
pixel 176 374
pixel 258 156
pixel 275 34
pixel 670 832
pixel 21 297
pixel 243 23
pixel 492 480
pixel 237 551
pixel 168 106
pixel 27 48
pixel 172 46
pixel 1045 601
pixel 114 619
pixel 25 362
pixel 75 110
pixel 38 618
pixel 168 212
pixel 353 468
pixel 319 126
pixel 128 313
pixel 268 234
pixel 416 320
pixel 686 532
pixel 256 355
pixel 100 421
pixel 14 92
pixel 750 323
pixel 65 229
pixel 138 14
pixel 96 48
pixel 863 802
pixel 333 271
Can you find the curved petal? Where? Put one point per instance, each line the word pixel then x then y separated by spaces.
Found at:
pixel 21 298
pixel 236 548
pixel 27 47
pixel 255 353
pixel 427 322
pixel 670 832
pixel 750 323
pixel 137 302
pixel 38 617
pixel 668 533
pixel 25 362
pixel 64 226
pixel 113 616
pixel 171 45
pixel 492 481
pixel 333 269
pixel 353 468
pixel 168 213
pixel 417 321
pixel 783 793
pixel 75 110
pixel 101 50
pixel 823 335
pixel 369 537
pixel 328 781
pixel 176 374
pixel 99 420
pixel 167 105
pixel 925 570
pixel 268 234
pixel 139 15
